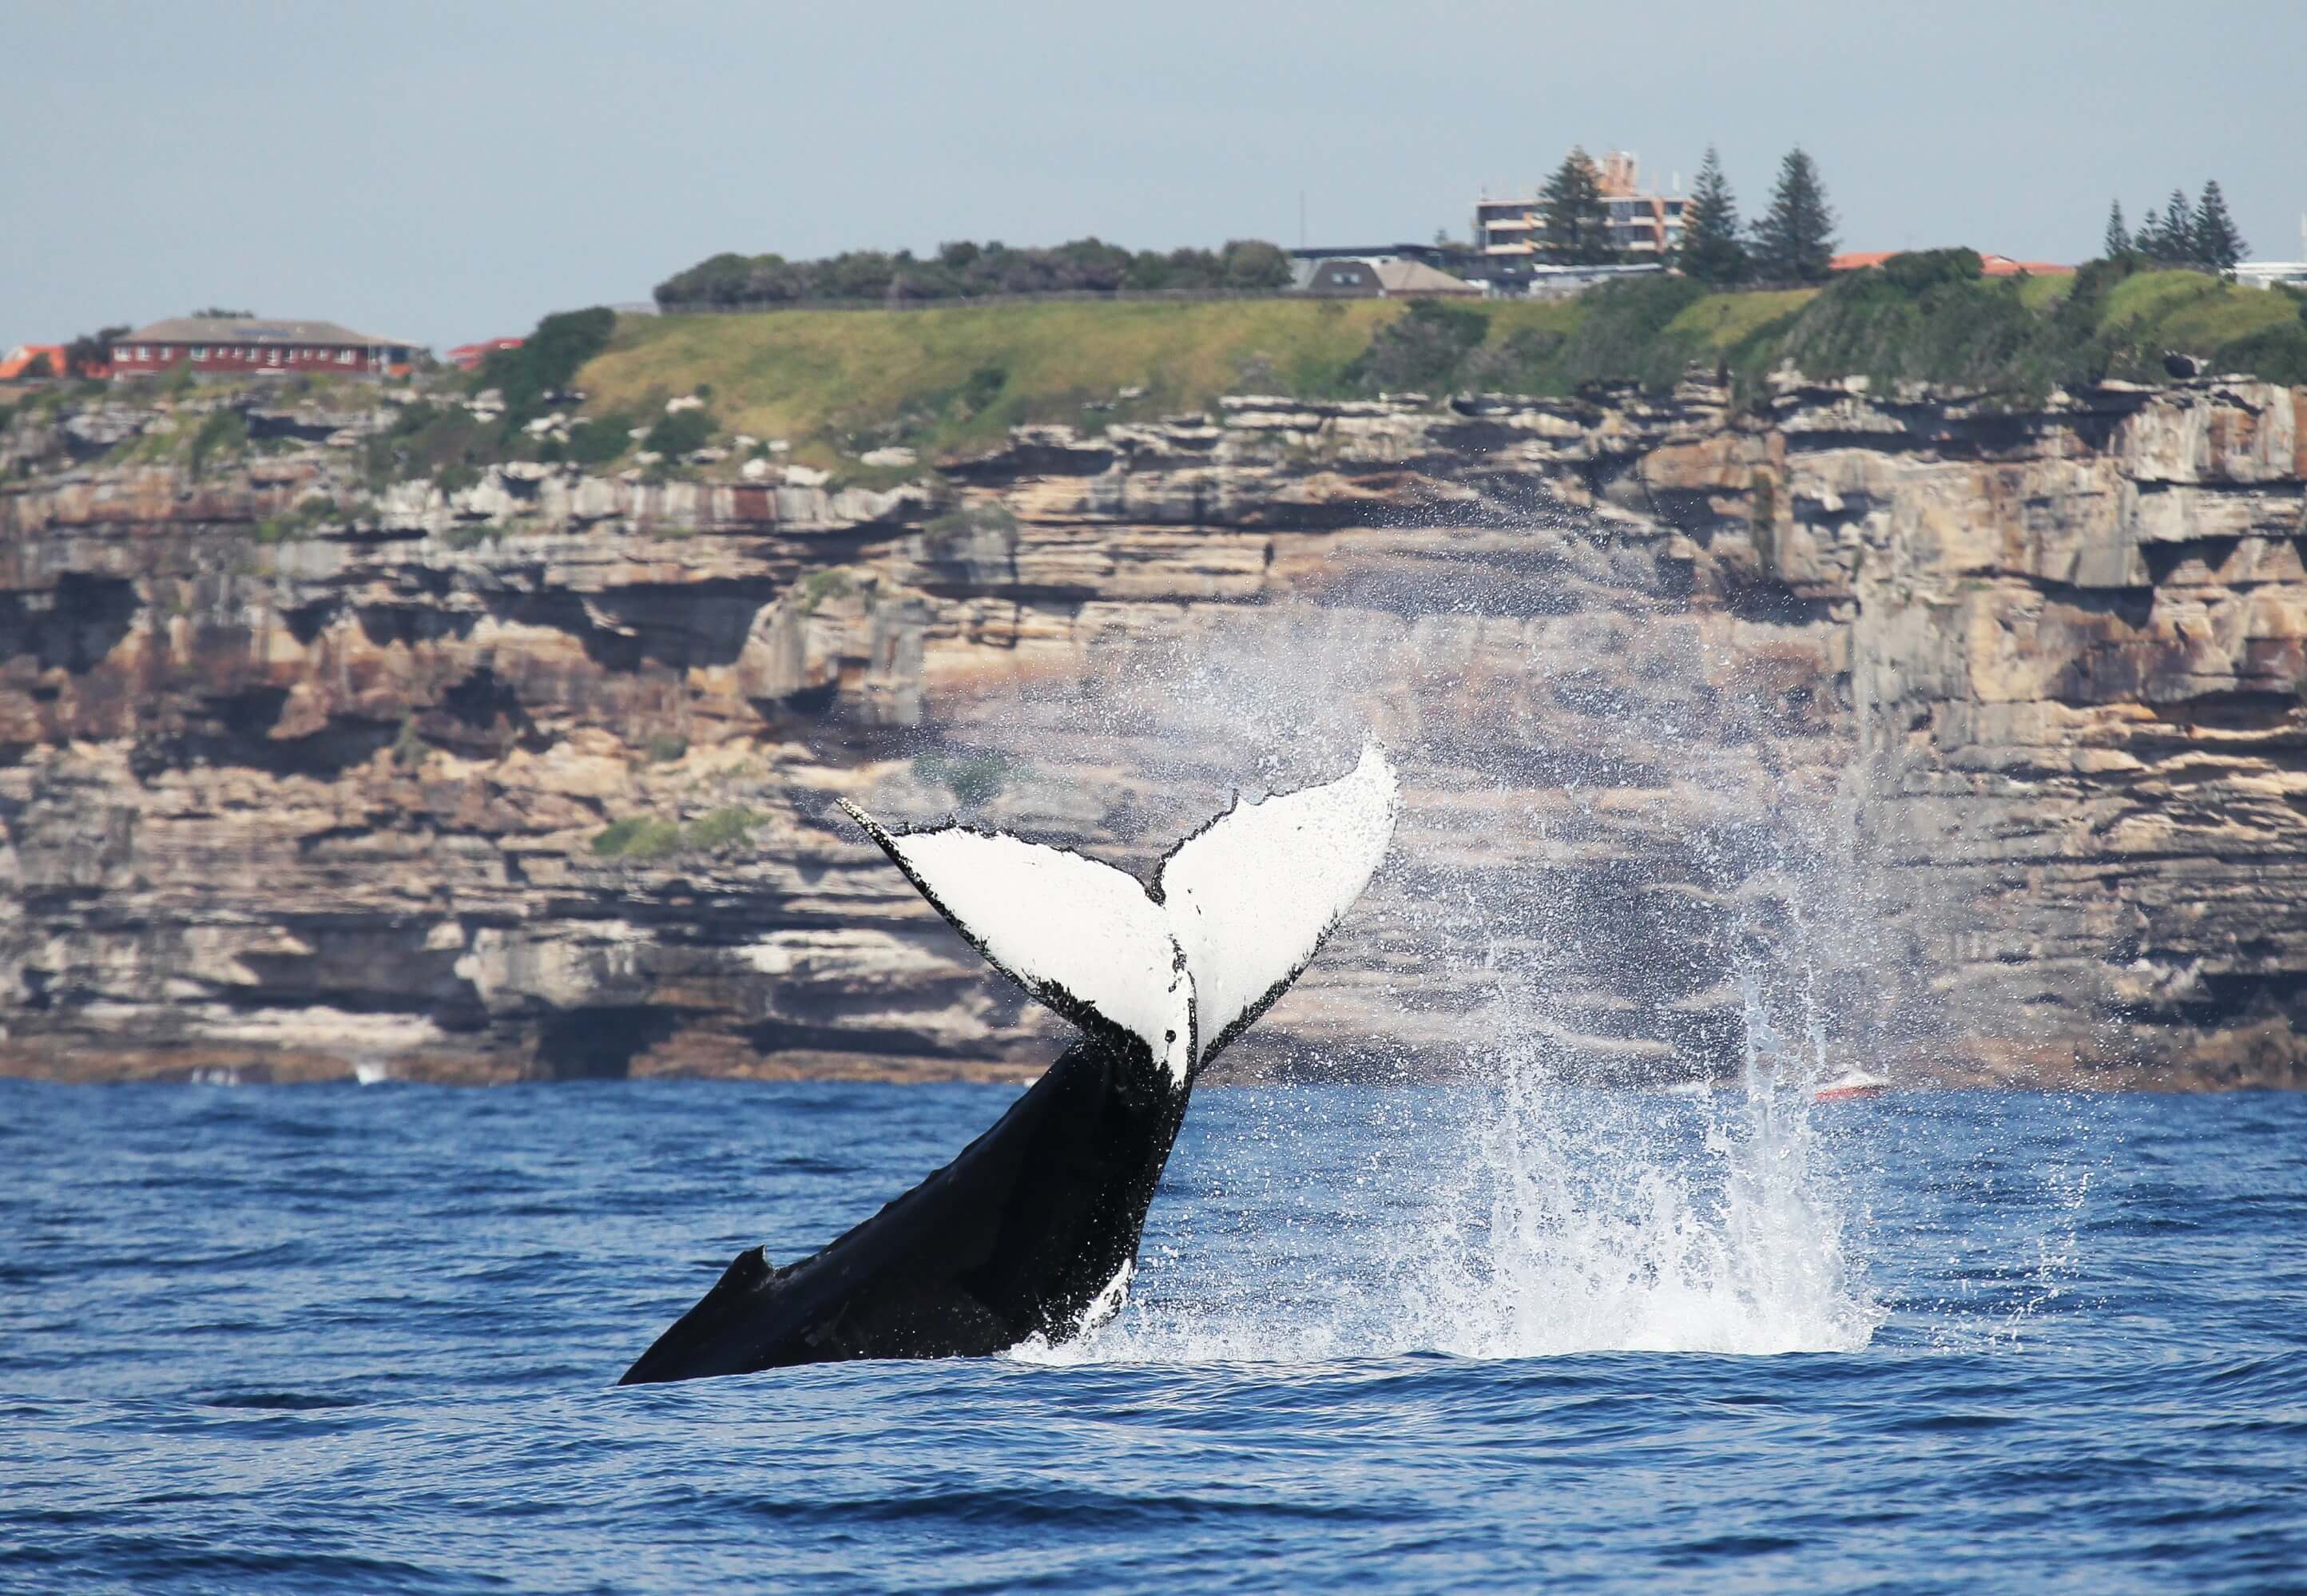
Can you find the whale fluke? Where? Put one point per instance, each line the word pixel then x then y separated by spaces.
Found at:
pixel 1034 1228
pixel 1237 912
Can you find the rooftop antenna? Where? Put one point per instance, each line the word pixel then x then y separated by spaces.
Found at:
pixel 1301 218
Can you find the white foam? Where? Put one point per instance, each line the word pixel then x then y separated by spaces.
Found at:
pixel 1532 1220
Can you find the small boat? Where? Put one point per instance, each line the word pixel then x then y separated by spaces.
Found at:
pixel 1852 1081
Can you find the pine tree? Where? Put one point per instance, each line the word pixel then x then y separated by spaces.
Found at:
pixel 1574 222
pixel 2216 243
pixel 2117 242
pixel 1711 250
pixel 1794 240
pixel 2178 237
pixel 2149 239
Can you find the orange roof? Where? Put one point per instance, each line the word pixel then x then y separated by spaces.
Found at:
pixel 1989 265
pixel 468 356
pixel 2004 266
pixel 23 355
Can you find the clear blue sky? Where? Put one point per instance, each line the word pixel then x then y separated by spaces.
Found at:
pixel 449 172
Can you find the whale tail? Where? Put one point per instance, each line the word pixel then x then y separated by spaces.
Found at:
pixel 1180 967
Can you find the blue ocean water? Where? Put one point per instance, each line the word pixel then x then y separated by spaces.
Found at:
pixel 316 1339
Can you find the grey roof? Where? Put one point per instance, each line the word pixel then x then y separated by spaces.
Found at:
pixel 1415 277
pixel 256 329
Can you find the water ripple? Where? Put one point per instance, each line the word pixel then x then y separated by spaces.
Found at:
pixel 288 1340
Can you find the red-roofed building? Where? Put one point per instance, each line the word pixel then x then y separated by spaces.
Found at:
pixel 251 346
pixel 21 360
pixel 468 357
pixel 2004 266
pixel 1988 265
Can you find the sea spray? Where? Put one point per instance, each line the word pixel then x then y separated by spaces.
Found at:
pixel 1658 878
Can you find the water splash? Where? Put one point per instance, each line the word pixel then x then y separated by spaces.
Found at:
pixel 1527 1217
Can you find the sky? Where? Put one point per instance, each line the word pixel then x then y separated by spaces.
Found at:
pixel 444 173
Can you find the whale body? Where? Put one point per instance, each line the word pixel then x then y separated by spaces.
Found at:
pixel 1032 1229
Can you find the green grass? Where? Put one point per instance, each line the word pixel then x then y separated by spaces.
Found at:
pixel 1720 322
pixel 2186 310
pixel 837 383
pixel 946 378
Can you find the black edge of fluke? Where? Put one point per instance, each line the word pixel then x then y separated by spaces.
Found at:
pixel 1030 1230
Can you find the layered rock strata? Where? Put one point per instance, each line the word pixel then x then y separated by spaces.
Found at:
pixel 1895 727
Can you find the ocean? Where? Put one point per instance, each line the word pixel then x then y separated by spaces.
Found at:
pixel 1383 1338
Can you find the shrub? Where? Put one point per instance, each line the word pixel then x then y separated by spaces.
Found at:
pixel 1425 348
pixel 310 513
pixel 981 387
pixel 645 836
pixel 221 432
pixel 408 749
pixel 637 836
pixel 666 748
pixel 1929 317
pixel 2278 354
pixel 674 436
pixel 1622 333
pixel 446 442
pixel 821 585
pixel 547 360
pixel 722 828
pixel 596 441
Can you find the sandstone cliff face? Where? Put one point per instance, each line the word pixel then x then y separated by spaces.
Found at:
pixel 1973 738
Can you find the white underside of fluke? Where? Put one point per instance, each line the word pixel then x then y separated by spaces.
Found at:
pixel 1239 910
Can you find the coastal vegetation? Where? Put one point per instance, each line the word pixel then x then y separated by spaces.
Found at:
pixel 964 269
pixel 649 837
pixel 2201 233
pixel 837 383
pixel 827 389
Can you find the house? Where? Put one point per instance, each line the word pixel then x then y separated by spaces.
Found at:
pixel 1305 263
pixel 20 361
pixel 468 357
pixel 1415 280
pixel 252 346
pixel 1643 224
pixel 1361 277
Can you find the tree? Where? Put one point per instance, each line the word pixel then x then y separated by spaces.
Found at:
pixel 1711 250
pixel 1573 218
pixel 1252 263
pixel 2172 242
pixel 1794 240
pixel 2149 239
pixel 548 361
pixel 2216 243
pixel 2117 242
pixel 92 351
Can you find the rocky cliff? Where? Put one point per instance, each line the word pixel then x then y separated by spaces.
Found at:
pixel 1962 741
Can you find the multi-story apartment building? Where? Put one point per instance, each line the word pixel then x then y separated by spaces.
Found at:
pixel 1642 225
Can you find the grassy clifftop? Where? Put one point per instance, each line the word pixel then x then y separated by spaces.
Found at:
pixel 949 376
pixel 838 381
